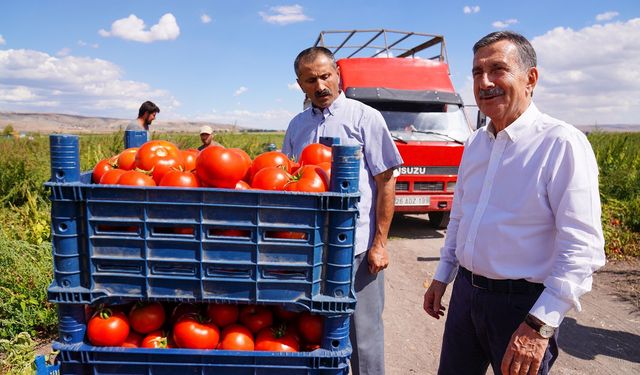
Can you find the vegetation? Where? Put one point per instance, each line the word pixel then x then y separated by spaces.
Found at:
pixel 25 248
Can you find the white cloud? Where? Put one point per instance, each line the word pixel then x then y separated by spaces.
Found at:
pixel 133 28
pixel 82 43
pixel 70 84
pixel 471 9
pixel 64 52
pixel 294 86
pixel 2 41
pixel 241 90
pixel 205 18
pixel 586 85
pixel 270 119
pixel 285 14
pixel 606 16
pixel 504 24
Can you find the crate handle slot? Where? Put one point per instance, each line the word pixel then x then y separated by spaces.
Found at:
pixel 218 232
pixel 286 274
pixel 286 235
pixel 103 228
pixel 228 272
pixel 173 230
pixel 187 270
pixel 108 267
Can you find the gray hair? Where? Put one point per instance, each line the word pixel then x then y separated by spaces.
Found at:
pixel 526 53
pixel 310 54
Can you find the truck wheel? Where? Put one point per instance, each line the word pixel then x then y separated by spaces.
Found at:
pixel 439 219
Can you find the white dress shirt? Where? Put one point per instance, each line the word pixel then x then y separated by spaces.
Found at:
pixel 526 206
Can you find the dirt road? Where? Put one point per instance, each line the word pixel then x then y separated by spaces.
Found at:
pixel 603 339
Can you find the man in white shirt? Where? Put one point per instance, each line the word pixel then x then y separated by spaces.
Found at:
pixel 525 234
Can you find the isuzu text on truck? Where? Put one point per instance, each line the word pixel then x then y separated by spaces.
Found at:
pixel 415 95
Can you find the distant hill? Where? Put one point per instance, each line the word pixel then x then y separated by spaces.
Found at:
pixel 59 123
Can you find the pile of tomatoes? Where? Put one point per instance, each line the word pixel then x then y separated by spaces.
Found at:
pixel 205 326
pixel 162 163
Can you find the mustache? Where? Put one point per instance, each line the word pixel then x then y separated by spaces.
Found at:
pixel 491 92
pixel 322 93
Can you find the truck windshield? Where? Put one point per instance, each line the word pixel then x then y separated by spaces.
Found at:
pixel 438 123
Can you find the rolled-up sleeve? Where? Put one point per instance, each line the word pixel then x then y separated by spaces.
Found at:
pixel 579 246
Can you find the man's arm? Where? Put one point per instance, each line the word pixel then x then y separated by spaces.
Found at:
pixel 385 204
pixel 573 196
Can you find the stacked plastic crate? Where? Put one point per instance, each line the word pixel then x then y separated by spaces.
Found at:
pixel 114 244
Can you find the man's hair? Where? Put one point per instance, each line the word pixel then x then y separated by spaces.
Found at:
pixel 148 107
pixel 310 54
pixel 526 53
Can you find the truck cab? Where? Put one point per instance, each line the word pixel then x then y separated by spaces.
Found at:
pixel 415 95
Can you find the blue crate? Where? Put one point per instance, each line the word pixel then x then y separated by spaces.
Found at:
pixel 43 368
pixel 85 359
pixel 159 243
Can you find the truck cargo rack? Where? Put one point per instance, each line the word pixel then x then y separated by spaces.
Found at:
pixel 382 43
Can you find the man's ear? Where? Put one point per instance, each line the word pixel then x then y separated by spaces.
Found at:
pixel 532 79
pixel 299 85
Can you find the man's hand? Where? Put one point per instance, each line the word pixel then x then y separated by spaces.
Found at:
pixel 524 352
pixel 433 299
pixel 378 258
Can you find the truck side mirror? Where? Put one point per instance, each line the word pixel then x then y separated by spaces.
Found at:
pixel 481 120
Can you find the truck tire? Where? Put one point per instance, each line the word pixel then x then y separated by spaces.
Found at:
pixel 439 219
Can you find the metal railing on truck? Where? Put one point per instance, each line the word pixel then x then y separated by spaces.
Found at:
pixel 382 43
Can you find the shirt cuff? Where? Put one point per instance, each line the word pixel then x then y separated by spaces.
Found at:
pixel 550 309
pixel 445 272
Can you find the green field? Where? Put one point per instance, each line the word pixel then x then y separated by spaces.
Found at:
pixel 25 248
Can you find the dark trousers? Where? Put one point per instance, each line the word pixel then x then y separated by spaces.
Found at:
pixel 479 327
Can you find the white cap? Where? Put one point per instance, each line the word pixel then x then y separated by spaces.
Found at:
pixel 206 130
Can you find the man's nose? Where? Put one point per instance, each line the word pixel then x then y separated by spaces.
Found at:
pixel 484 81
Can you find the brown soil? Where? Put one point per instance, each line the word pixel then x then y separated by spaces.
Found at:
pixel 602 339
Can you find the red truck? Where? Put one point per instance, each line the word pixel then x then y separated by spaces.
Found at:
pixel 422 110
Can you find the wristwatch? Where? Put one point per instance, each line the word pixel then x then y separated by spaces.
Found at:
pixel 544 330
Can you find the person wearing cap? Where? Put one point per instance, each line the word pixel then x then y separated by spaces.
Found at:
pixel 206 136
pixel 146 115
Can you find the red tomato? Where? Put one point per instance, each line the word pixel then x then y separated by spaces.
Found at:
pixel 163 167
pixel 278 339
pixel 220 167
pixel 287 235
pixel 256 317
pixel 247 161
pixel 294 167
pixel 184 309
pixel 108 328
pixel 310 178
pixel 236 337
pixel 310 328
pixel 112 177
pixel 145 318
pixel 189 159
pixel 223 314
pixel 180 179
pixel 127 159
pixel 243 185
pixel 315 153
pixel 270 178
pixel 134 340
pixel 326 167
pixel 192 332
pixel 283 314
pixel 155 339
pixel 135 178
pixel 103 166
pixel 152 152
pixel 270 159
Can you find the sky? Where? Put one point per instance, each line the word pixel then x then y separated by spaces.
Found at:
pixel 232 61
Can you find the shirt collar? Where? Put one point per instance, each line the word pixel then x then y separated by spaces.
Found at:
pixel 330 110
pixel 521 125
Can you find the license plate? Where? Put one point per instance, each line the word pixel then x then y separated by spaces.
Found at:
pixel 412 200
